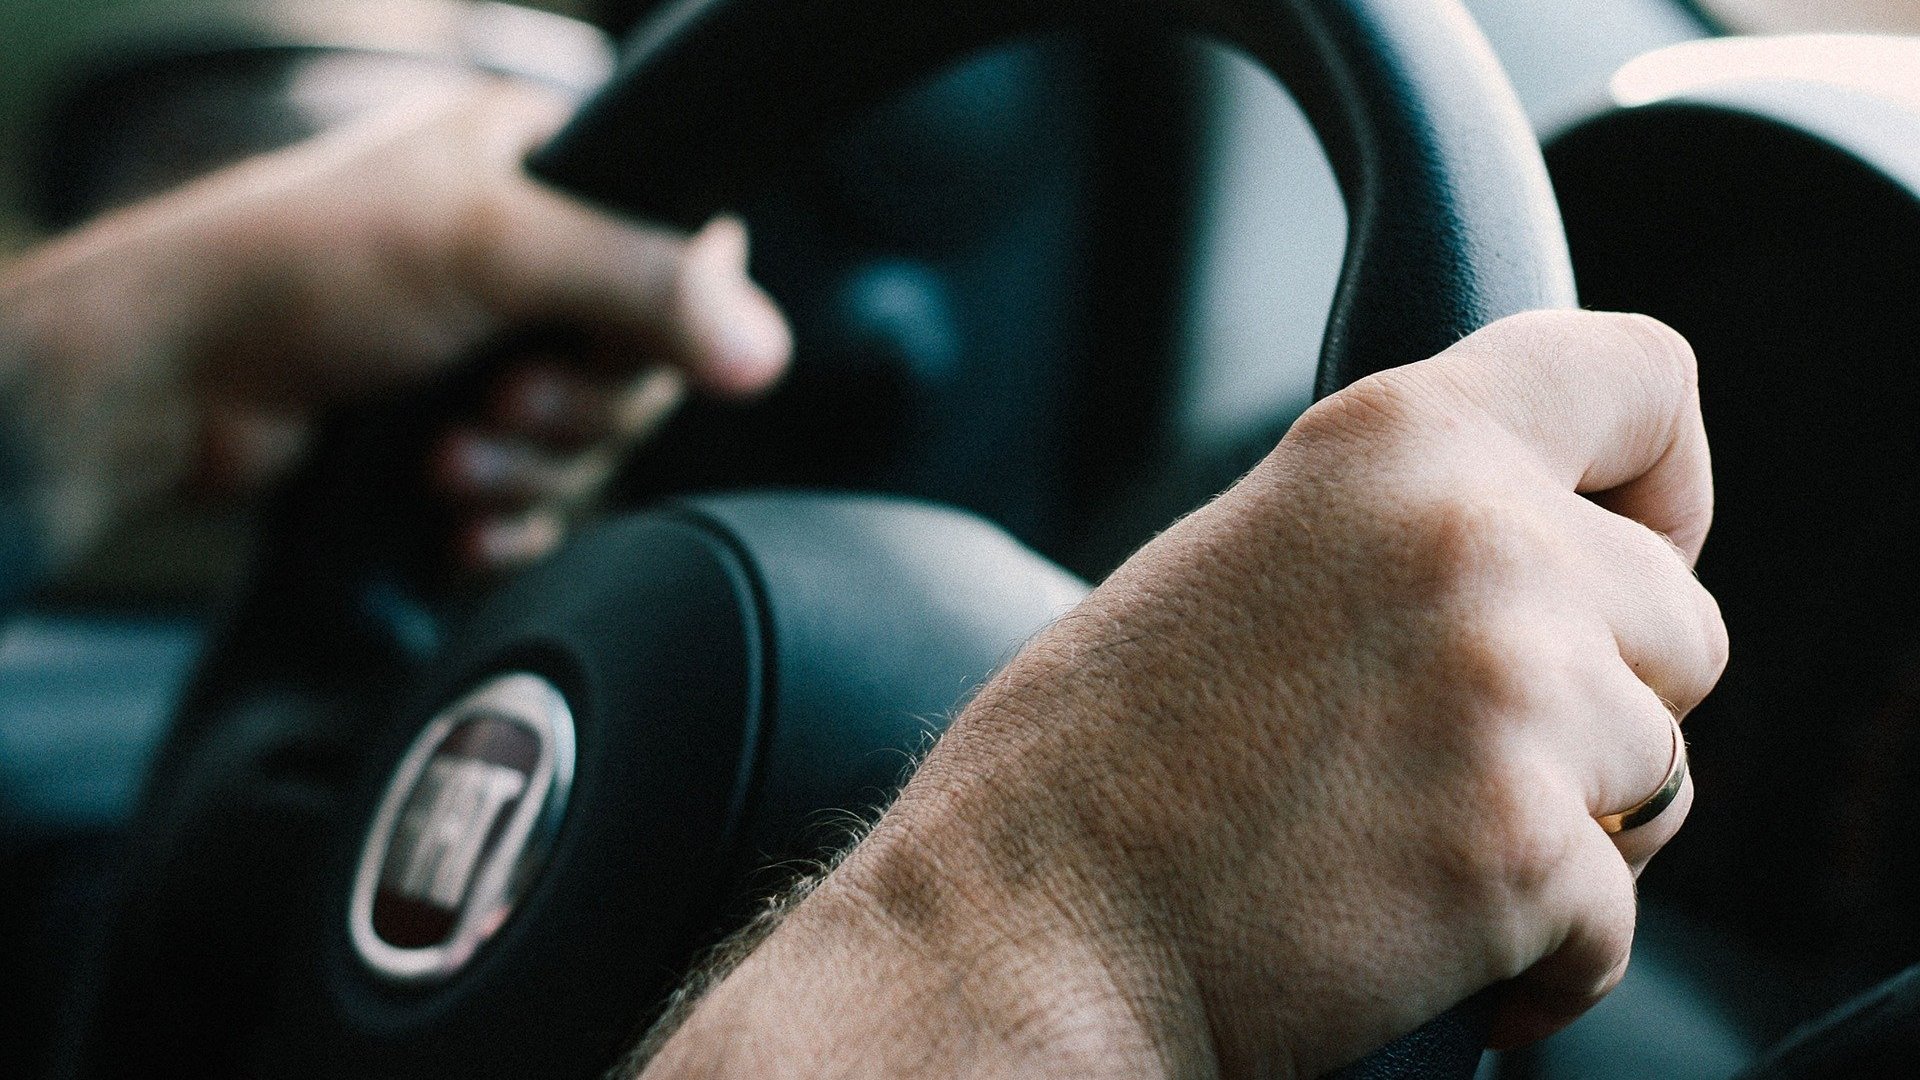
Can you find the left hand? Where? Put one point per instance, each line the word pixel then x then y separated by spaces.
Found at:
pixel 199 334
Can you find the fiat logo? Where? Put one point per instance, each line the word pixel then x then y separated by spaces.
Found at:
pixel 462 830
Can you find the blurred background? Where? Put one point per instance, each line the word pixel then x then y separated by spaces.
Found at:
pixel 41 40
pixel 1077 285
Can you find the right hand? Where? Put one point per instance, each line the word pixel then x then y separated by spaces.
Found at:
pixel 1317 763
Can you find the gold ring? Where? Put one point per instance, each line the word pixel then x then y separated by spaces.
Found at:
pixel 1650 807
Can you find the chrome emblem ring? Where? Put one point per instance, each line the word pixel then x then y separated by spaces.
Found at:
pixel 463 829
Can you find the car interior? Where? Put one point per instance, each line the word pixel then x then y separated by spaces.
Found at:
pixel 1058 273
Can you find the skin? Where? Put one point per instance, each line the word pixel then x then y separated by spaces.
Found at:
pixel 1318 762
pixel 192 341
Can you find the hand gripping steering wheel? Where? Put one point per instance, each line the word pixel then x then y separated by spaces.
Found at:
pixel 575 796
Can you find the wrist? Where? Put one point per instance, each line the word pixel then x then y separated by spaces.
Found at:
pixel 94 334
pixel 939 947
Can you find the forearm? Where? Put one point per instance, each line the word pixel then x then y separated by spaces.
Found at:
pixel 205 332
pixel 1211 822
pixel 837 991
pixel 939 949
pixel 96 333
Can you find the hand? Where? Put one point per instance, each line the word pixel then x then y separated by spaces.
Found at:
pixel 1316 764
pixel 202 332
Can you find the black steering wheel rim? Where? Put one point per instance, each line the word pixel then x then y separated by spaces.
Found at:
pixel 1451 220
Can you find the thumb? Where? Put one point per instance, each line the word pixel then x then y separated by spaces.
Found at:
pixel 733 338
pixel 542 255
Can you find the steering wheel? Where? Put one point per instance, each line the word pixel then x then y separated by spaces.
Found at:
pixel 493 862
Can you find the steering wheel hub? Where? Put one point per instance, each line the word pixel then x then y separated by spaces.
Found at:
pixel 739 666
pixel 463 828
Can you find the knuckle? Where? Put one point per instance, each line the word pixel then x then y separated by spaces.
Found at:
pixel 1498 678
pixel 1603 930
pixel 1647 347
pixel 482 227
pixel 1492 690
pixel 1388 406
pixel 1464 542
pixel 1697 629
pixel 1543 327
pixel 1495 667
pixel 1481 575
pixel 1523 339
pixel 1608 920
pixel 1662 345
pixel 1515 848
pixel 1659 353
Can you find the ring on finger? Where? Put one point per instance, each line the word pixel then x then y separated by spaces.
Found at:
pixel 1651 807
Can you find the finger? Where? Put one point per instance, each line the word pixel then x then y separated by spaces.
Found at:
pixel 1593 893
pixel 647 404
pixel 734 338
pixel 688 302
pixel 496 472
pixel 1638 749
pixel 1666 625
pixel 538 253
pixel 1615 737
pixel 1638 846
pixel 1608 402
pixel 552 403
pixel 563 408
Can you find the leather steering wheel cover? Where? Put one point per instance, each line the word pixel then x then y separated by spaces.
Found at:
pixel 1452 222
pixel 735 664
pixel 1451 219
pixel 663 661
